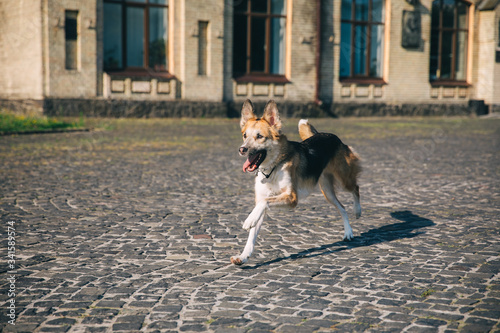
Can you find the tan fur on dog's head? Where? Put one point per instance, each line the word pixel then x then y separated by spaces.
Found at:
pixel 270 116
pixel 260 134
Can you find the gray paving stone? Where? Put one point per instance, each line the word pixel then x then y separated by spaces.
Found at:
pixel 430 322
pixel 61 321
pixel 127 327
pixel 55 329
pixel 135 233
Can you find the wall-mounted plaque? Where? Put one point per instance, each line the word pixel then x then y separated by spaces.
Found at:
pixel 412 29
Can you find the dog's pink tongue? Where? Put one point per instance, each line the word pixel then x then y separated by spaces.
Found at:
pixel 246 165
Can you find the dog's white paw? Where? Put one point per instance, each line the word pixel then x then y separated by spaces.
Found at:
pixel 238 260
pixel 348 235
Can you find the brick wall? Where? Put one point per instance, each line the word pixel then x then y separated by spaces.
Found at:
pixel 486 63
pixel 32 61
pixel 327 51
pixel 408 68
pixel 61 82
pixel 303 47
pixel 21 49
pixel 207 87
pixel 486 71
pixel 495 100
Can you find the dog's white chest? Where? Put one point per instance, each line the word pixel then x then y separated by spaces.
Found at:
pixel 274 185
pixel 265 188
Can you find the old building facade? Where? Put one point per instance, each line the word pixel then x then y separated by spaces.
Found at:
pixel 195 58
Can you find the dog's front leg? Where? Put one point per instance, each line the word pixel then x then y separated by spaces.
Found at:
pixel 286 199
pixel 252 237
pixel 256 214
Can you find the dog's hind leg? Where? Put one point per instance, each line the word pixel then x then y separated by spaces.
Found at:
pixel 328 189
pixel 346 170
pixel 357 205
pixel 249 247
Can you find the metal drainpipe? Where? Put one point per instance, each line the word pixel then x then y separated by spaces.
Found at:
pixel 317 101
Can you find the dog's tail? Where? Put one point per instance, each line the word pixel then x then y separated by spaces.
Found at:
pixel 306 130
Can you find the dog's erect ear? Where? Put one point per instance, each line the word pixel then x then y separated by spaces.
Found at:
pixel 246 113
pixel 271 115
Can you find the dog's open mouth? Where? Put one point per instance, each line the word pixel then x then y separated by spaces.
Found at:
pixel 254 160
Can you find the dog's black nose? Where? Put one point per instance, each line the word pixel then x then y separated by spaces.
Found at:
pixel 243 150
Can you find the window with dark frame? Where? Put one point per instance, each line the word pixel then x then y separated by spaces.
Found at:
pixel 497 51
pixel 135 35
pixel 449 40
pixel 362 39
pixel 202 48
pixel 71 39
pixel 259 30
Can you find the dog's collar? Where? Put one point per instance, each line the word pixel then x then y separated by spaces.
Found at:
pixel 269 174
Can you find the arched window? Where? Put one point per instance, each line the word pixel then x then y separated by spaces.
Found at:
pixel 449 40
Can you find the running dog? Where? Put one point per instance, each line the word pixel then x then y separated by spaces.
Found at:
pixel 288 171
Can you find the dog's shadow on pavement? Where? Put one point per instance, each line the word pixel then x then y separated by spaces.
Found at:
pixel 387 233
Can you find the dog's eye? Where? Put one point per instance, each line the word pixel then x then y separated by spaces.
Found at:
pixel 258 136
pixel 244 135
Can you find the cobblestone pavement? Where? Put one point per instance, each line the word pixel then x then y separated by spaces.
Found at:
pixel 131 228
